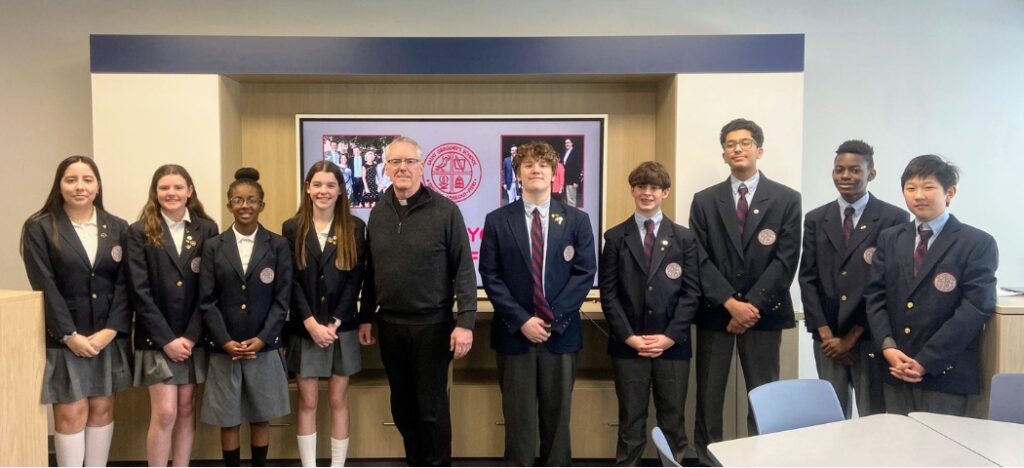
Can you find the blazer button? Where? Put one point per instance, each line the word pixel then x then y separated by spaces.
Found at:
pixel 180 283
pixel 243 287
pixel 910 305
pixel 906 331
pixel 843 297
pixel 650 288
pixel 94 295
pixel 650 312
pixel 739 275
pixel 871 355
pixel 92 274
pixel 323 299
pixel 842 273
pixel 243 306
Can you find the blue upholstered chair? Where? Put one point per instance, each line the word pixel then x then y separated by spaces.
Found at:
pixel 792 404
pixel 1006 400
pixel 664 451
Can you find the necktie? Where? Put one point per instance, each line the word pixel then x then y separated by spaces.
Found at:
pixel 925 232
pixel 540 303
pixel 848 223
pixel 741 207
pixel 648 239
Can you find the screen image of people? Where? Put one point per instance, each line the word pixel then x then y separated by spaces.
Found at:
pixel 360 158
pixel 567 184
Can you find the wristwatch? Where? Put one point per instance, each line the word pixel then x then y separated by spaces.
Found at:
pixel 64 339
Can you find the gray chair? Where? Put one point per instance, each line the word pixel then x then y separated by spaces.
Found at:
pixel 792 404
pixel 664 451
pixel 1006 399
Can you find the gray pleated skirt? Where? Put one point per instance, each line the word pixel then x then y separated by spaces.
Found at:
pixel 69 378
pixel 153 367
pixel 306 359
pixel 249 390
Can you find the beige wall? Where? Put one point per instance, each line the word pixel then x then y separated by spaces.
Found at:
pixel 141 122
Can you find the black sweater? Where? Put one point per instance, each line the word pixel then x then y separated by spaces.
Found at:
pixel 419 264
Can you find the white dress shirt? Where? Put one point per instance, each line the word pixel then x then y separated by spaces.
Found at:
pixel 177 229
pixel 321 236
pixel 245 244
pixel 89 235
pixel 639 219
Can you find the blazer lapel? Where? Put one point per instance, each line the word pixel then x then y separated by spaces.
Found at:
pixel 259 249
pixel 313 247
pixel 867 223
pixel 833 227
pixel 103 237
pixel 231 252
pixel 190 249
pixel 67 231
pixel 169 247
pixel 905 255
pixel 662 243
pixel 727 211
pixel 520 232
pixel 556 229
pixel 938 248
pixel 635 245
pixel 756 213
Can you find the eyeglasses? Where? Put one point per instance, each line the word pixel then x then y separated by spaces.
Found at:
pixel 407 162
pixel 745 143
pixel 239 201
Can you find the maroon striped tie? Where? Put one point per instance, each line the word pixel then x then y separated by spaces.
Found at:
pixel 925 233
pixel 741 207
pixel 848 222
pixel 540 303
pixel 648 239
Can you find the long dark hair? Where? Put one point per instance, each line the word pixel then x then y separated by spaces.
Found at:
pixel 344 224
pixel 150 215
pixel 54 203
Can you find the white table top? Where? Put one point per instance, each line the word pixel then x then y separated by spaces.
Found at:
pixel 876 440
pixel 1001 442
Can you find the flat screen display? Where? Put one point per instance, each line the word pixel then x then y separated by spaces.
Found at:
pixel 465 158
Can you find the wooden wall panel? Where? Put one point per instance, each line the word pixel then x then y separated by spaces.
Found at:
pixel 269 109
pixel 23 421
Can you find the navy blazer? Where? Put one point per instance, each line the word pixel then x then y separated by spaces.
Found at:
pixel 236 305
pixel 78 296
pixel 322 290
pixel 505 270
pixel 937 317
pixel 759 267
pixel 165 285
pixel 641 299
pixel 833 272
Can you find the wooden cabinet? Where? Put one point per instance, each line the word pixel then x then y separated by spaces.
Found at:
pixel 1000 349
pixel 23 422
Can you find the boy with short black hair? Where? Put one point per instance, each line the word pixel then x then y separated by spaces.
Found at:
pixel 649 291
pixel 840 239
pixel 932 289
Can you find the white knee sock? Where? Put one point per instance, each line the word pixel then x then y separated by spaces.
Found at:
pixel 307 449
pixel 97 444
pixel 70 448
pixel 339 450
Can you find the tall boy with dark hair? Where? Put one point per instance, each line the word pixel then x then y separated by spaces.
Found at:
pixel 749 226
pixel 649 291
pixel 840 239
pixel 932 289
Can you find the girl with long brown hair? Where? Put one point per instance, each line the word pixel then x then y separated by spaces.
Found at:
pixel 328 248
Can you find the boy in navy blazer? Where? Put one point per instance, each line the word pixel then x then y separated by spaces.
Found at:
pixel 749 226
pixel 649 291
pixel 840 240
pixel 932 289
pixel 537 263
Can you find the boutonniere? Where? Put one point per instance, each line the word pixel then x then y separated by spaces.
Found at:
pixel 103 235
pixel 332 240
pixel 189 242
pixel 557 217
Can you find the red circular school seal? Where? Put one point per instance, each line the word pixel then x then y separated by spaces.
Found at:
pixel 944 282
pixel 195 264
pixel 869 255
pixel 115 253
pixel 267 275
pixel 673 271
pixel 453 170
pixel 766 237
